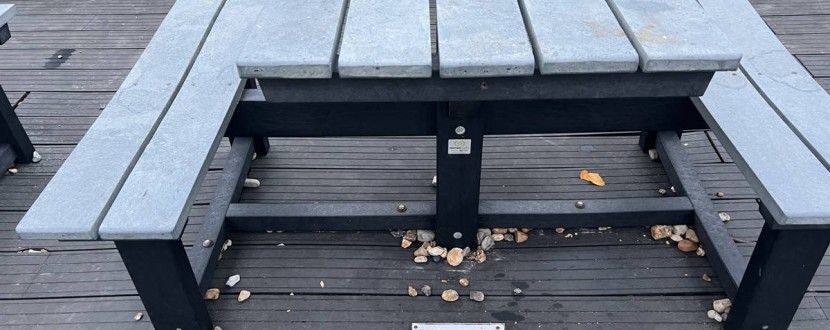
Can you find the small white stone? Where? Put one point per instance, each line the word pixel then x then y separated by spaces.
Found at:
pixel 36 158
pixel 517 291
pixel 251 183
pixel 676 238
pixel 435 181
pixel 721 305
pixel 680 229
pixel 724 216
pixel 700 252
pixel 243 295
pixel 653 155
pixel 12 170
pixel 712 314
pixel 233 280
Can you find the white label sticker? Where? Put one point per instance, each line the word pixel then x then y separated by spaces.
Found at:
pixel 460 147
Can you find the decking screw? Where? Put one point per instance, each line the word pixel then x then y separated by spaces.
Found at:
pixel 401 208
pixel 457 235
pixel 484 85
pixel 460 130
pixel 580 205
pixel 207 243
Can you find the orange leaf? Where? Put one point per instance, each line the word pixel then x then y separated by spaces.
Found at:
pixel 594 178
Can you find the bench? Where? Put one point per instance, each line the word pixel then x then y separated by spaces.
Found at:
pixel 15 146
pixel 504 67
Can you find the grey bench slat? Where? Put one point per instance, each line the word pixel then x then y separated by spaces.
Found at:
pixel 777 75
pixel 383 39
pixel 577 36
pixel 675 35
pixel 789 179
pixel 293 39
pixel 482 38
pixel 7 11
pixel 156 198
pixel 74 203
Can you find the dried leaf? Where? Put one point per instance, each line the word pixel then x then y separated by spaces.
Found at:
pixel 594 178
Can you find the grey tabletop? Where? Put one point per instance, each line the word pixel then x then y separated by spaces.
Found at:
pixel 7 11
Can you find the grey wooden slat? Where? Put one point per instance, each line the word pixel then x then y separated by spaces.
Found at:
pixel 675 35
pixel 482 38
pixel 156 197
pixel 777 75
pixel 386 40
pixel 293 39
pixel 782 170
pixel 76 200
pixel 7 11
pixel 577 36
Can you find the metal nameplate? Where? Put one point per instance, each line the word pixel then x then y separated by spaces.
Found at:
pixel 457 326
pixel 460 146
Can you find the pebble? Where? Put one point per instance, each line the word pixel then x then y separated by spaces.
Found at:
pixel 421 259
pixel 426 290
pixel 712 314
pixel 425 235
pixel 692 236
pixel 700 252
pixel 521 237
pixel 662 191
pixel 464 282
pixel 435 181
pixel 436 251
pixel 509 237
pixel 251 183
pixel 405 243
pixel 560 230
pixel 725 216
pixel 497 237
pixel 436 258
pixel 12 170
pixel 138 316
pixel 499 231
pixel 243 295
pixel 707 278
pixel 477 296
pixel 720 194
pixel 233 280
pixel 485 230
pixel 397 233
pixel 422 251
pixel 517 291
pixel 212 294
pixel 480 256
pixel 687 246
pixel 455 257
pixel 466 251
pixel 487 243
pixel 680 229
pixel 569 235
pixel 721 305
pixel 449 295
pixel 676 238
pixel 225 246
pixel 411 291
pixel 411 235
pixel 480 236
pixel 525 230
pixel 661 231
pixel 512 230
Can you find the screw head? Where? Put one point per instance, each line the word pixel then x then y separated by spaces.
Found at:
pixel 401 207
pixel 457 235
pixel 460 130
pixel 580 204
pixel 207 243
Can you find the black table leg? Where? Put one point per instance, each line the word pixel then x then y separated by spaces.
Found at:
pixel 12 133
pixel 779 272
pixel 460 134
pixel 165 282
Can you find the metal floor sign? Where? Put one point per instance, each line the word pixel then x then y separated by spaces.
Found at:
pixel 458 326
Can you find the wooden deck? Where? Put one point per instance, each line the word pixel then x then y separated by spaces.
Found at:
pixel 67 58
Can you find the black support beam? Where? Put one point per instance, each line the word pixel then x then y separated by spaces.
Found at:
pixel 12 133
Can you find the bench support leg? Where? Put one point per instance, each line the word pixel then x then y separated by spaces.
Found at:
pixel 779 272
pixel 460 134
pixel 164 280
pixel 12 133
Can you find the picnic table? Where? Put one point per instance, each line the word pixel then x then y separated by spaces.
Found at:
pixel 458 71
pixel 15 146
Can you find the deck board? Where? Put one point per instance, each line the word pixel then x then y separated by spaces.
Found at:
pixel 100 40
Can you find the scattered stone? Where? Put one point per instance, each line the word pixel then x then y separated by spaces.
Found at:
pixel 676 238
pixel 455 257
pixel 138 316
pixel 680 229
pixel 322 284
pixel 480 256
pixel 653 155
pixel 687 246
pixel 466 251
pixel 603 228
pixel 243 295
pixel 569 236
pixel 212 294
pixel 487 243
pixel 464 282
pixel 421 260
pixel 251 183
pixel 662 191
pixel 12 170
pixel 512 230
pixel 412 292
pixel 712 314
pixel 477 296
pixel 700 252
pixel 509 237
pixel 721 305
pixel 517 291
pixel 499 231
pixel 233 280
pixel 725 216
pixel 435 181
pixel 436 251
pixel 425 235
pixel 397 233
pixel 692 236
pixel 480 236
pixel 225 246
pixel 405 243
pixel 436 258
pixel 426 290
pixel 521 236
pixel 449 295
pixel 422 251
pixel 445 281
pixel 661 231
pixel 216 327
pixel 560 230
pixel 485 230
pixel 410 235
pixel 720 194
pixel 707 278
pixel 497 237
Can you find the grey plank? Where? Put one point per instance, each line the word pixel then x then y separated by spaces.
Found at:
pixel 76 200
pixel 577 36
pixel 777 75
pixel 385 40
pixel 482 39
pixel 7 11
pixel 675 35
pixel 780 168
pixel 156 197
pixel 293 39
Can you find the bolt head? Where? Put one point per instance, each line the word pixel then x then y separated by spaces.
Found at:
pixel 460 130
pixel 207 243
pixel 580 205
pixel 457 235
pixel 401 208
